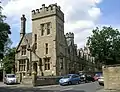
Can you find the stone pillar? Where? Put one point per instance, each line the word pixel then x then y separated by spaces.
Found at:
pixel 17 77
pixel 111 75
pixel 34 78
pixel 26 67
pixel 38 70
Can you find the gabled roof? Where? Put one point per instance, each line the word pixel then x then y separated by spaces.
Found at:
pixel 27 37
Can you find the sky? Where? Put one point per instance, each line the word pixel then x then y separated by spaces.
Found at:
pixel 81 16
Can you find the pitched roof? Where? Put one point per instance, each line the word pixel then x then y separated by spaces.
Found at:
pixel 27 37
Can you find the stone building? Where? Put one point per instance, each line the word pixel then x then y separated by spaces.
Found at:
pixel 46 49
pixel 87 62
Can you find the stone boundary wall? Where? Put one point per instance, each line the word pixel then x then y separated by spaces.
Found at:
pixel 27 80
pixel 40 80
pixel 111 75
pixel 47 80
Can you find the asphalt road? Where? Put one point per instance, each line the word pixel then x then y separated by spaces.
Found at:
pixel 88 87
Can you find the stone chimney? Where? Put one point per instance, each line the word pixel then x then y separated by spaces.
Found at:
pixel 23 25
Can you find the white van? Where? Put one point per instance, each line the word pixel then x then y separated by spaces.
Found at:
pixel 10 79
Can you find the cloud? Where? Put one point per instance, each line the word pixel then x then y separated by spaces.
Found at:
pixel 80 16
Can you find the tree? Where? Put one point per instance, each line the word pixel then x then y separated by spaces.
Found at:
pixel 104 45
pixel 9 61
pixel 4 33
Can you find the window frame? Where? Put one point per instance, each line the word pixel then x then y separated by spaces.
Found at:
pixel 47 64
pixel 48 28
pixel 35 37
pixel 42 29
pixel 46 48
pixel 22 65
pixel 23 50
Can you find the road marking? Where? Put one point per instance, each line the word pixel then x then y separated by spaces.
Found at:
pixel 66 89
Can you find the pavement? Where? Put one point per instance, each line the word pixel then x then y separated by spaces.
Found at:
pixel 86 87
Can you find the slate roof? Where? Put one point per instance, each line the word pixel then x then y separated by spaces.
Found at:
pixel 28 36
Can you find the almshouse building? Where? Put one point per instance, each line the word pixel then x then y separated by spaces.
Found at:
pixel 46 50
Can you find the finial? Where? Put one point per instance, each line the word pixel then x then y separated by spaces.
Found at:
pixel 23 15
pixel 43 5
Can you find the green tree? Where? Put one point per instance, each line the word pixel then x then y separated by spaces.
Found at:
pixel 104 45
pixel 4 33
pixel 9 61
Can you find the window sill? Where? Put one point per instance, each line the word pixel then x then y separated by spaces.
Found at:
pixel 47 70
pixel 23 55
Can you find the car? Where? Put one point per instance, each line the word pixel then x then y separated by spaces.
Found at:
pixel 82 77
pixel 70 79
pixel 86 78
pixel 97 75
pixel 101 80
pixel 96 78
pixel 10 79
pixel 89 78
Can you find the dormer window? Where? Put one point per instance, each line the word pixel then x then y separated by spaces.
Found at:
pixel 23 51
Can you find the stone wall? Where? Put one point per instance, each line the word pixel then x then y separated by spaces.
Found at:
pixel 111 77
pixel 27 80
pixel 47 80
pixel 41 80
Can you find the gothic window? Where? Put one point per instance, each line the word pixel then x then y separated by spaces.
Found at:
pixel 46 48
pixel 42 29
pixel 47 63
pixel 48 28
pixel 22 65
pixel 23 51
pixel 35 41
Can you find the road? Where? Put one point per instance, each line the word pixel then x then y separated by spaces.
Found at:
pixel 88 87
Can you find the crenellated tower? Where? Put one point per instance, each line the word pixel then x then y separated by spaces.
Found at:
pixel 70 38
pixel 51 10
pixel 48 28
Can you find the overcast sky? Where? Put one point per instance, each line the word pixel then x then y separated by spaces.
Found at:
pixel 81 16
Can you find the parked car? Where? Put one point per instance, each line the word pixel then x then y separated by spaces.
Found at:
pixel 97 75
pixel 101 80
pixel 86 78
pixel 89 78
pixel 70 79
pixel 10 79
pixel 82 77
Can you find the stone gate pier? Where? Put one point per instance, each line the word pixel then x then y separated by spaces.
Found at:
pixel 111 75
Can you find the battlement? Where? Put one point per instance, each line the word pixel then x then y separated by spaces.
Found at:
pixel 52 9
pixel 70 35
